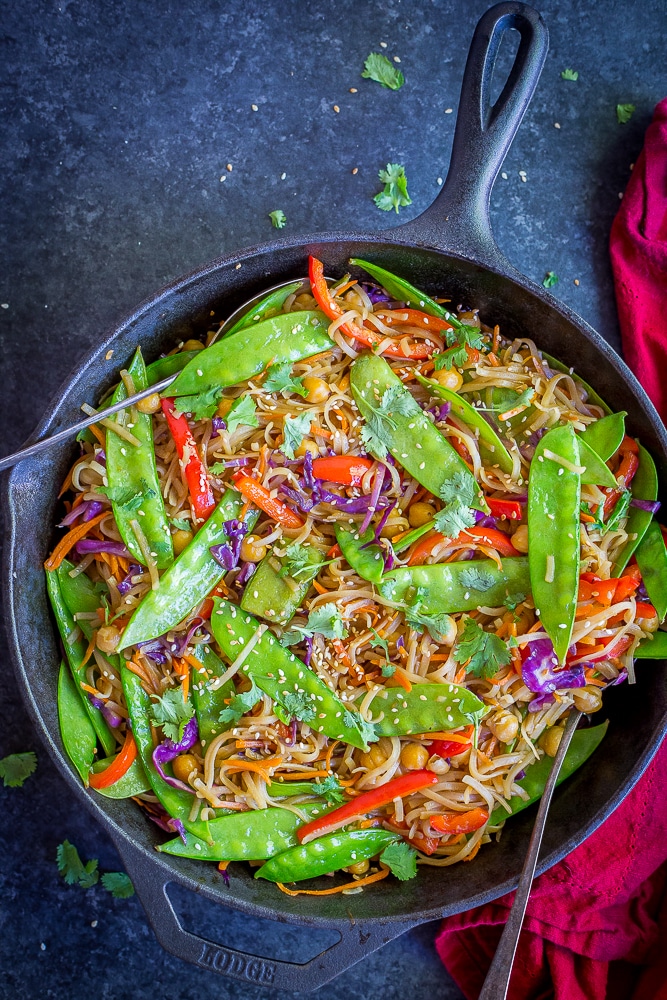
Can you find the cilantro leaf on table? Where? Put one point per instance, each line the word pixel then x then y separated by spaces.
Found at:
pixel 332 790
pixel 294 431
pixel 278 218
pixel 512 601
pixel 16 767
pixel 401 860
pixel 202 406
pixel 240 705
pixel 570 74
pixel 119 884
pixel 378 68
pixel 72 868
pixel 483 652
pixel 395 194
pixel 298 705
pixel 243 412
pixel 172 712
pixel 476 579
pixel 550 279
pixel 279 379
pixel 624 113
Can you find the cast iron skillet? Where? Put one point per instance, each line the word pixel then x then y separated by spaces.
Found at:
pixel 449 247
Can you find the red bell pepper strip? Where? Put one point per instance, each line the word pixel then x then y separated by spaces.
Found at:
pixel 454 823
pixel 118 767
pixel 510 509
pixel 348 470
pixel 413 317
pixel 368 338
pixel 261 497
pixel 367 802
pixel 424 548
pixel 448 748
pixel 491 536
pixel 201 494
pixel 612 647
pixel 645 610
pixel 629 451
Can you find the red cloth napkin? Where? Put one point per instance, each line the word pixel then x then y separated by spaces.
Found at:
pixel 596 924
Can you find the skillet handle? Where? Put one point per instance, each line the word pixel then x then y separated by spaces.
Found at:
pixel 458 220
pixel 356 941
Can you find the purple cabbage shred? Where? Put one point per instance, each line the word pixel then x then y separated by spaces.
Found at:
pixel 217 425
pixel 375 292
pixel 541 674
pixel 167 750
pixel 246 571
pixel 227 554
pixel 309 649
pixel 87 545
pixel 651 506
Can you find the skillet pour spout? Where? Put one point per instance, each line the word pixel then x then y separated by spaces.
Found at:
pixel 451 245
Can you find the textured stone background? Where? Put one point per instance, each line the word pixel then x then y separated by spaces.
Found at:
pixel 118 122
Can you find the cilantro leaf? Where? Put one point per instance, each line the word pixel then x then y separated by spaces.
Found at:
pixel 512 601
pixel 395 194
pixel 181 523
pixel 240 705
pixel 464 333
pixel 378 68
pixel 72 868
pixel 401 860
pixel 377 642
pixel 356 720
pixel 298 705
pixel 298 562
pixel 458 487
pixel 570 74
pixel 372 438
pixel 375 434
pixel 624 113
pixel 550 279
pixel 119 884
pixel 476 579
pixel 278 218
pixel 15 768
pixel 483 652
pixel 172 712
pixel 438 623
pixel 279 379
pixel 396 399
pixel 619 511
pixel 243 412
pixel 202 406
pixel 126 498
pixel 332 790
pixel 452 356
pixel 388 669
pixel 327 621
pixel 454 518
pixel 294 430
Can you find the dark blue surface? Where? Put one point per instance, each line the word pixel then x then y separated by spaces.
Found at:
pixel 119 121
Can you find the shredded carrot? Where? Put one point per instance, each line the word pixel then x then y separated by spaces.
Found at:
pixel 244 510
pixel 341 652
pixel 384 871
pixel 320 431
pixel 90 690
pixel 460 675
pixel 366 823
pixel 68 482
pixel 319 588
pixel 536 627
pixel 89 650
pixel 401 677
pixel 69 540
pixel 183 671
pixel 223 866
pixel 141 673
pixel 474 851
pixel 496 339
pixel 301 775
pixel 261 467
pixel 493 359
pixel 260 767
pixel 597 681
pixel 97 433
pixel 587 518
pixel 343 288
pixel 329 753
pixel 345 423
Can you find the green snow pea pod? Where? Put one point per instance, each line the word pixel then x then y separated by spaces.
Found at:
pixel 286 789
pixel 271 303
pixel 652 649
pixel 288 336
pixel 595 470
pixel 268 592
pixel 365 559
pixel 554 496
pixel 427 708
pixel 412 536
pixel 169 365
pixel 188 580
pixel 80 594
pixel 644 486
pixel 134 487
pixel 133 782
pixel 652 560
pixel 244 836
pixel 605 435
pixel 75 651
pixel 445 588
pixel 208 701
pixel 76 729
pixel 278 672
pixel 326 854
pixel 402 290
pixel 592 395
pixel 493 449
pixel 407 432
pixel 583 744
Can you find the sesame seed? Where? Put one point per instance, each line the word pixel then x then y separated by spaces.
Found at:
pixel 448 111
pixel 355 170
pixel 383 45
pixel 229 168
pixel 254 107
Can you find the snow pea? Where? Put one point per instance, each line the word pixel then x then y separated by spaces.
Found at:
pixel 592 395
pixel 286 789
pixel 652 560
pixel 169 365
pixel 644 486
pixel 605 435
pixel 134 487
pixel 326 854
pixel 410 436
pixel 445 587
pixel 584 743
pixel 269 595
pixel 244 836
pixel 554 496
pixel 188 580
pixel 133 782
pixel 75 651
pixel 365 559
pixel 288 336
pixel 271 303
pixel 402 290
pixel 412 536
pixel 427 708
pixel 492 448
pixel 209 703
pixel 654 648
pixel 280 674
pixel 76 729
pixel 595 470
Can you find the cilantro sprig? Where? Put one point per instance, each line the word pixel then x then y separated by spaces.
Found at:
pixel 202 406
pixel 172 712
pixel 75 872
pixel 458 494
pixel 375 434
pixel 294 431
pixel 298 705
pixel 278 218
pixel 240 705
pixel 325 620
pixel 243 412
pixel 476 579
pixel 16 767
pixel 395 192
pixel 332 790
pixel 127 498
pixel 378 68
pixel 401 860
pixel 483 653
pixel 279 379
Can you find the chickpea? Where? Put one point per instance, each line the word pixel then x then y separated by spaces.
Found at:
pixel 304 301
pixel 358 868
pixel 414 756
pixel 224 406
pixel 504 726
pixel 318 389
pixel 184 765
pixel 520 538
pixel 151 404
pixel 108 638
pixel 374 758
pixel 252 549
pixel 588 699
pixel 181 539
pixel 449 379
pixel 305 446
pixel 550 740
pixel 420 513
pixel 390 530
pixel 193 345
